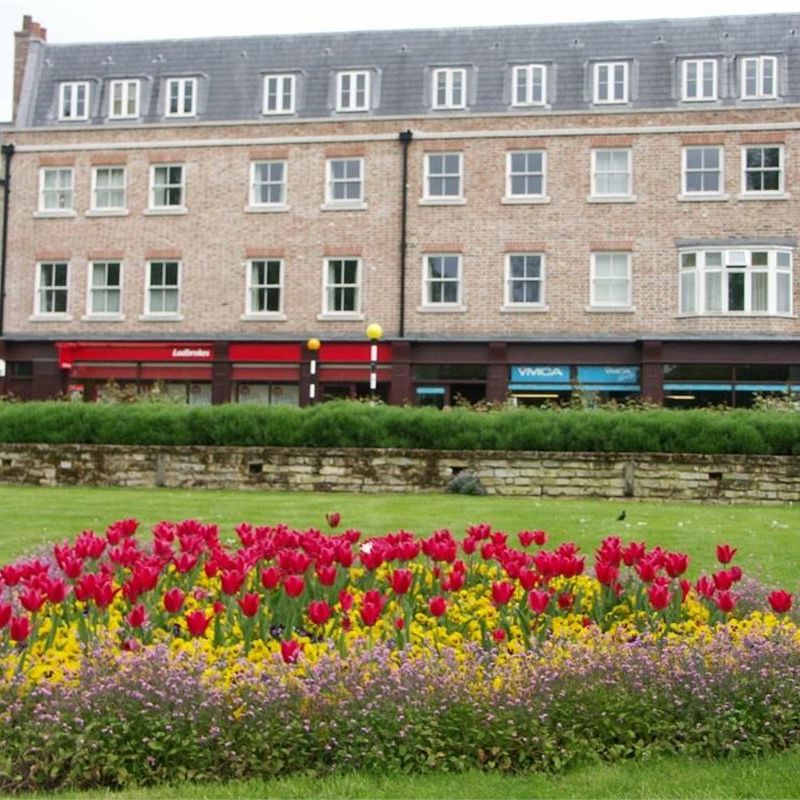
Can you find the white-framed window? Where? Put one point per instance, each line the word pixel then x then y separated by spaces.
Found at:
pixel 529 85
pixel 611 280
pixel 73 101
pixel 264 286
pixel 352 90
pixel 279 94
pixel 163 288
pixel 699 79
pixel 611 173
pixel 123 99
pixel 344 180
pixel 105 289
pixel 524 279
pixel 56 189
pixel 268 183
pixel 181 97
pixel 108 189
pixel 166 186
pixel 731 281
pixel 52 288
pixel 525 173
pixel 449 87
pixel 762 169
pixel 442 280
pixel 342 290
pixel 611 84
pixel 444 176
pixel 759 77
pixel 702 170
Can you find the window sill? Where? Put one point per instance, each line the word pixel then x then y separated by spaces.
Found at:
pixel 53 214
pixel 111 212
pixel 356 206
pixel 165 212
pixel 278 208
pixel 736 315
pixel 289 112
pixel 444 308
pixel 160 317
pixel 267 317
pixel 610 309
pixel 521 308
pixel 341 316
pixel 102 318
pixel 50 318
pixel 703 198
pixel 595 198
pixel 763 196
pixel 443 201
pixel 526 201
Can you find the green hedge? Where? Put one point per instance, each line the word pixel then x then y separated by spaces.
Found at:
pixel 343 424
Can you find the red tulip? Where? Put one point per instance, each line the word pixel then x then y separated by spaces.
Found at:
pixel 370 613
pixel 334 518
pixel 566 600
pixel 502 592
pixel 538 601
pixel 137 616
pixel 249 604
pixel 32 600
pixel 676 564
pixel 56 591
pixel 454 581
pixel 319 612
pixel 725 553
pixel 780 601
pixel 185 562
pixel 104 595
pixel 469 545
pixel 294 585
pixel 401 580
pixel 231 580
pixel 646 570
pixel 197 622
pixel 5 614
pixel 270 577
pixel 20 628
pixel 437 605
pixel 218 607
pixel 399 623
pixel 11 574
pixel 326 574
pixel 705 586
pixel 290 651
pixel 659 596
pixel 606 573
pixel 632 553
pixel 735 573
pixel 725 602
pixel 173 600
pixel 498 634
pixel 527 578
pixel 723 580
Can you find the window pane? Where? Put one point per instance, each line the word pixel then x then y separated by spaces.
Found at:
pixel 758 291
pixel 735 291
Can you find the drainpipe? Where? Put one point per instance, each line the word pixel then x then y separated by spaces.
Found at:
pixel 5 182
pixel 405 139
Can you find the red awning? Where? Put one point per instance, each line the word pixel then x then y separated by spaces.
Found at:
pixel 70 353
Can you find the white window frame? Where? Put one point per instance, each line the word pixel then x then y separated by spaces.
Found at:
pixel 328 288
pixel 331 183
pixel 699 65
pixel 596 195
pixel 428 281
pixel 510 280
pixel 40 290
pixel 611 96
pixel 167 207
pixel 530 76
pixel 130 93
pixel 252 288
pixel 521 196
pixel 149 288
pixel 91 289
pixel 109 208
pixel 594 302
pixel 255 202
pixel 781 171
pixel 685 191
pixel 443 198
pixel 69 101
pixel 694 280
pixel 450 100
pixel 68 193
pixel 280 106
pixel 759 62
pixel 347 98
pixel 182 84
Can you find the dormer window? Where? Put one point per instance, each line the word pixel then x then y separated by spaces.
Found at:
pixel 352 91
pixel 181 97
pixel 529 85
pixel 449 88
pixel 123 102
pixel 279 94
pixel 759 77
pixel 699 80
pixel 611 82
pixel 73 101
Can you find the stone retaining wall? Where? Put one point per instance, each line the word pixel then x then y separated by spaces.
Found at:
pixel 729 479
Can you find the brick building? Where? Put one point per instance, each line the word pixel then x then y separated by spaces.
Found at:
pixel 525 211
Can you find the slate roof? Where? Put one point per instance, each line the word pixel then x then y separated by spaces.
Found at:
pixel 230 70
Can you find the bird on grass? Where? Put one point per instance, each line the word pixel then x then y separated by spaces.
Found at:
pixel 622 515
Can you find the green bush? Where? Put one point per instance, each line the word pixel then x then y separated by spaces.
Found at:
pixel 345 424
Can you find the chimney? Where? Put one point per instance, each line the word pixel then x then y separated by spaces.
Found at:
pixel 30 31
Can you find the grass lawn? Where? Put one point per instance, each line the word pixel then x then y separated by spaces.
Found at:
pixel 767 536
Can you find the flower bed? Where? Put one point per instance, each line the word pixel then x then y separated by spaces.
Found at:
pixel 187 658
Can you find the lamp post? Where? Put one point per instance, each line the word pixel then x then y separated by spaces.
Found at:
pixel 313 345
pixel 374 332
